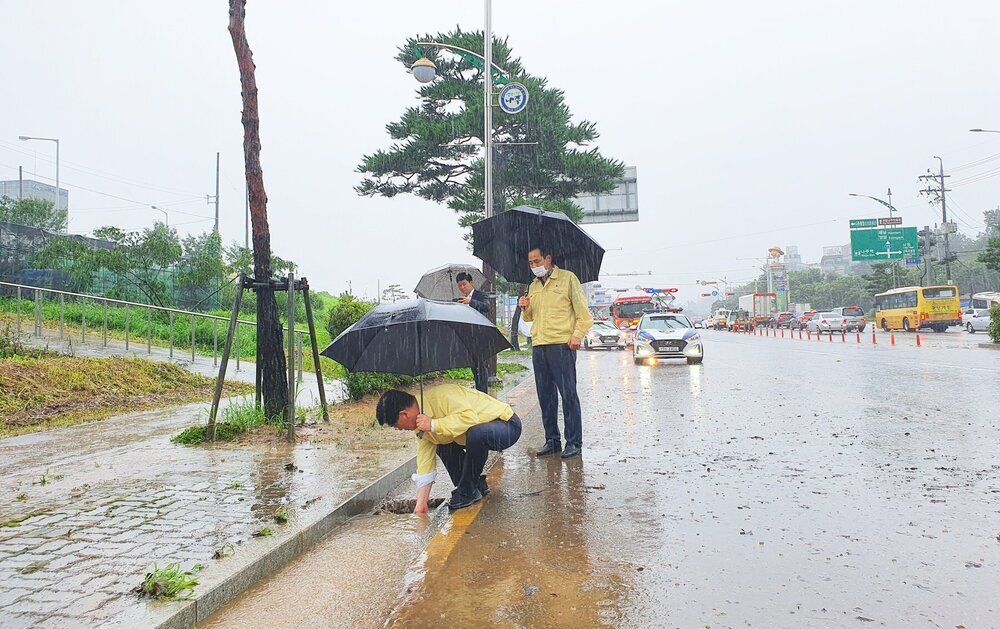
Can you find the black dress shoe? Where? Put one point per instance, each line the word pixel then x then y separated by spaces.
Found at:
pixel 461 501
pixel 571 451
pixel 550 447
pixel 483 487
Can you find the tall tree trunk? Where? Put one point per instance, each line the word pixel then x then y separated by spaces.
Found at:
pixel 270 354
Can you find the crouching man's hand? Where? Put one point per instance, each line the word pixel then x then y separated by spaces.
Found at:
pixel 423 423
pixel 423 494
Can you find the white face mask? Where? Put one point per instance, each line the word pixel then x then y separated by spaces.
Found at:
pixel 540 271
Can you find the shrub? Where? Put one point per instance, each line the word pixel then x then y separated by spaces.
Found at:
pixel 994 329
pixel 363 383
pixel 345 313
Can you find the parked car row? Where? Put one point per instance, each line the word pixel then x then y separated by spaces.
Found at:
pixel 847 318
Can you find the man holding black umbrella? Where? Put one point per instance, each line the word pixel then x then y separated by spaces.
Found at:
pixel 478 300
pixel 557 309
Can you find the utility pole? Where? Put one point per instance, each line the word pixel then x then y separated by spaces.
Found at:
pixel 216 192
pixel 210 198
pixel 939 195
pixel 928 269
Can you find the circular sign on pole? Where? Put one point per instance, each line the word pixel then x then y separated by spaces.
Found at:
pixel 513 98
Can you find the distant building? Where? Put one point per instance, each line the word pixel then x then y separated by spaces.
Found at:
pixel 621 205
pixel 31 189
pixel 793 261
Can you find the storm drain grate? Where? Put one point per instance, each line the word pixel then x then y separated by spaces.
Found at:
pixel 406 506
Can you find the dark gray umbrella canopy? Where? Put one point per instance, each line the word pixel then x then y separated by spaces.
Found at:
pixel 415 337
pixel 503 241
pixel 440 283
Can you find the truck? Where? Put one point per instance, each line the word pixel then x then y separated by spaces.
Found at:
pixel 628 308
pixel 760 307
pixel 719 320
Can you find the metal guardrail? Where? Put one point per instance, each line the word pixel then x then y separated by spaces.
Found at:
pixel 103 303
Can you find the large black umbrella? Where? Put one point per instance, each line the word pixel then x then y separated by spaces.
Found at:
pixel 503 241
pixel 415 337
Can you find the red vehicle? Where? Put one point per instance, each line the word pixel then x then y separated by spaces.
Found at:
pixel 628 308
pixel 801 322
pixel 783 320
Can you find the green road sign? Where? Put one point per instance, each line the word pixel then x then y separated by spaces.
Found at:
pixel 893 243
pixel 863 223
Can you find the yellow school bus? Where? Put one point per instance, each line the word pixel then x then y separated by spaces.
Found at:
pixel 916 307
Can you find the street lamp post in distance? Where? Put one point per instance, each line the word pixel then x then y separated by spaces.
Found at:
pixel 166 219
pixel 58 203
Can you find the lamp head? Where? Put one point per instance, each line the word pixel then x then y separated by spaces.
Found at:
pixel 423 70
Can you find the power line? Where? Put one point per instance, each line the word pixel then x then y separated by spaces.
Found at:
pixel 978 162
pixel 108 194
pixel 97 173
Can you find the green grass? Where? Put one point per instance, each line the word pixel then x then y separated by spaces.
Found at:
pixel 156 329
pixel 239 417
pixel 466 374
pixel 52 391
pixel 170 581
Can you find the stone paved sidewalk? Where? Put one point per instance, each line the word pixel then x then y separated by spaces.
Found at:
pixel 86 510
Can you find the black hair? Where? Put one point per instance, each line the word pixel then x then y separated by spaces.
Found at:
pixel 390 404
pixel 463 277
pixel 542 249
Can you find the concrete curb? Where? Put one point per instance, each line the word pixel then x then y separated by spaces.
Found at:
pixel 990 345
pixel 204 605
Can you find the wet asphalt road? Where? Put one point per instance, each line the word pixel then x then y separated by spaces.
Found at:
pixel 782 483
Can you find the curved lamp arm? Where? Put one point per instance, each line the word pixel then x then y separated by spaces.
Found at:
pixel 473 57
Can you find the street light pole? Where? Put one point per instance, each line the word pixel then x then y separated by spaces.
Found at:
pixel 166 218
pixel 488 107
pixel 58 202
pixel 424 71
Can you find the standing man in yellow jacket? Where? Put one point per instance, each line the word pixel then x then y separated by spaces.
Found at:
pixel 560 318
pixel 460 426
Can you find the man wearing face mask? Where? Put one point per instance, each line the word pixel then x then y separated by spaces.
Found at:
pixel 557 309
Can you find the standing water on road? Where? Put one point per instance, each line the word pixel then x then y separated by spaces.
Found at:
pixel 777 484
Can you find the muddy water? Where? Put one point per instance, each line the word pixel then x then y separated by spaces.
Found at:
pixel 341 583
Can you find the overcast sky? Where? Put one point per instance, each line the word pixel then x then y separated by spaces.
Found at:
pixel 749 122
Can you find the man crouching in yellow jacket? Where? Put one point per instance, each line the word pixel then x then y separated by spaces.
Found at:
pixel 459 425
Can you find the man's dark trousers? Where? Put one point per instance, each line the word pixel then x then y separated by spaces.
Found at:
pixel 465 464
pixel 555 377
pixel 481 374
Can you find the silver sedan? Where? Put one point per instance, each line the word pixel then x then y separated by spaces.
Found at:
pixel 826 322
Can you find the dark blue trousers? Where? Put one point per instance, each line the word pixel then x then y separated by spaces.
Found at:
pixel 481 374
pixel 465 464
pixel 555 377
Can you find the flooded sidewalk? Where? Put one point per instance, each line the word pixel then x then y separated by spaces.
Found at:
pixel 87 510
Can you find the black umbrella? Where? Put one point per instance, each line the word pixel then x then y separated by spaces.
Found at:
pixel 415 337
pixel 503 241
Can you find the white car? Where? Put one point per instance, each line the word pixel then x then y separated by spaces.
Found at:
pixel 604 335
pixel 976 319
pixel 827 322
pixel 662 335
